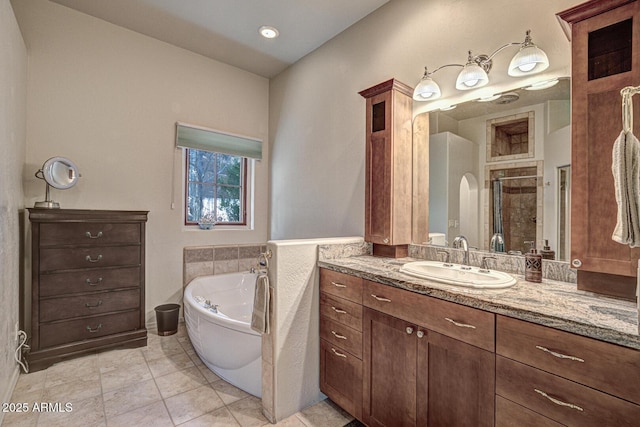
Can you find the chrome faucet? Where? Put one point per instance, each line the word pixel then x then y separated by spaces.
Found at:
pixel 484 268
pixel 461 242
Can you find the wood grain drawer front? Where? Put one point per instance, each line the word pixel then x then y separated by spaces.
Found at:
pixel 509 414
pixel 341 285
pixel 600 365
pixel 341 310
pixel 58 333
pixel 87 305
pixel 341 378
pixel 71 258
pixel 88 233
pixel 562 400
pixel 470 325
pixel 88 281
pixel 341 336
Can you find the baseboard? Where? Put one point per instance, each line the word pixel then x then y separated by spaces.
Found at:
pixel 9 391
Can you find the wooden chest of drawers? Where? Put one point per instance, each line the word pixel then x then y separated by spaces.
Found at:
pixel 87 283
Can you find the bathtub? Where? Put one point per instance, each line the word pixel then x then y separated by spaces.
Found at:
pixel 224 340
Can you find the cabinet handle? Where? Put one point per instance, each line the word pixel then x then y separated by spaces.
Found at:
pixel 409 330
pixel 337 310
pixel 381 298
pixel 93 330
pixel 337 353
pixel 97 236
pixel 559 402
pixel 559 355
pixel 338 285
pixel 337 335
pixel 98 304
pixel 88 258
pixel 420 334
pixel 462 325
pixel 90 283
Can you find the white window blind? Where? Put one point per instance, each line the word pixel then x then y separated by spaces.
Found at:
pixel 200 138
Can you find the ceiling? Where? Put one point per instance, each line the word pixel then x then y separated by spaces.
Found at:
pixel 227 30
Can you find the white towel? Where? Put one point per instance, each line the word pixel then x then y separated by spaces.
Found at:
pixel 260 314
pixel 626 178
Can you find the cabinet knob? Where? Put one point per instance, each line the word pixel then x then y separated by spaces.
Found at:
pixel 409 330
pixel 576 263
pixel 386 240
pixel 420 334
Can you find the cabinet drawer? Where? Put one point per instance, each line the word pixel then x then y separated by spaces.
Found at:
pixel 86 305
pixel 88 233
pixel 341 285
pixel 341 378
pixel 341 336
pixel 601 365
pixel 72 282
pixel 341 310
pixel 561 400
pixel 509 414
pixel 72 258
pixel 470 325
pixel 91 327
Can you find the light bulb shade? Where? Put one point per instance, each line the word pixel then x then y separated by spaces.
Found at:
pixel 472 76
pixel 426 90
pixel 529 60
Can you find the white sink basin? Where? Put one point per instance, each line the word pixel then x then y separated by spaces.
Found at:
pixel 455 274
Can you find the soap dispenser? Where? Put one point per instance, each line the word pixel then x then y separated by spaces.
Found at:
pixel 533 265
pixel 546 251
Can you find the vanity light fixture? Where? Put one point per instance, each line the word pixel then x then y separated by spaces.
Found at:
pixel 268 32
pixel 529 59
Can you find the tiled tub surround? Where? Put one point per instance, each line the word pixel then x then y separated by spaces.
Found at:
pixel 551 303
pixel 208 260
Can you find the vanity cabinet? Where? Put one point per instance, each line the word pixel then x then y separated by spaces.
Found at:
pixel 605 43
pixel 545 376
pixel 388 179
pixel 87 282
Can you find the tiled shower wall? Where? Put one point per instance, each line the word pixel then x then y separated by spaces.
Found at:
pixel 208 260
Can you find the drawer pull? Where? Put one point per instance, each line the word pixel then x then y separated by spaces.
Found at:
pixel 559 402
pixel 90 283
pixel 337 335
pixel 97 236
pixel 461 325
pixel 337 353
pixel 559 355
pixel 98 304
pixel 88 258
pixel 338 285
pixel 409 330
pixel 420 334
pixel 337 310
pixel 381 298
pixel 93 330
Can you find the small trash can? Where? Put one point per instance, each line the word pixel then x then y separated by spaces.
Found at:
pixel 167 318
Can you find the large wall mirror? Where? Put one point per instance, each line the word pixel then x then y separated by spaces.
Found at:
pixel 503 166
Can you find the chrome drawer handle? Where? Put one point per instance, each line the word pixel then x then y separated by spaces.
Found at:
pixel 409 330
pixel 461 325
pixel 559 402
pixel 337 335
pixel 559 355
pixel 88 258
pixel 381 298
pixel 97 236
pixel 337 353
pixel 90 283
pixel 420 334
pixel 337 310
pixel 98 304
pixel 338 285
pixel 93 330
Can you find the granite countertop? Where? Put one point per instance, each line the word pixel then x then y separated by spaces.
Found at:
pixel 550 303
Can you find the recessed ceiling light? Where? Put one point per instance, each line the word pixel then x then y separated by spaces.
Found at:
pixel 542 85
pixel 268 32
pixel 450 107
pixel 489 98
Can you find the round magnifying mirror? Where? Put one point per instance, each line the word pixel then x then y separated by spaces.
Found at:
pixel 60 173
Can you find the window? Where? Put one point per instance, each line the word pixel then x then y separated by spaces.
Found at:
pixel 215 185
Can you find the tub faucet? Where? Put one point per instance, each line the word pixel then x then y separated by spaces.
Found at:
pixel 461 242
pixel 209 306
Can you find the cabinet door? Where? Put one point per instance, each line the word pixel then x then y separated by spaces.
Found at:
pixel 461 383
pixel 389 371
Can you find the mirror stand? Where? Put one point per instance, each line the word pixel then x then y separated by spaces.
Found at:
pixel 47 203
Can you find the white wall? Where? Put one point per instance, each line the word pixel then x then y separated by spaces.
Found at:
pixel 317 121
pixel 109 98
pixel 13 115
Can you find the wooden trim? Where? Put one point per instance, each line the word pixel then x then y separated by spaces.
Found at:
pixel 80 215
pixel 398 251
pixel 589 9
pixel 607 284
pixel 386 86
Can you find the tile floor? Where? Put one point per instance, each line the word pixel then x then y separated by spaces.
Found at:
pixel 163 384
